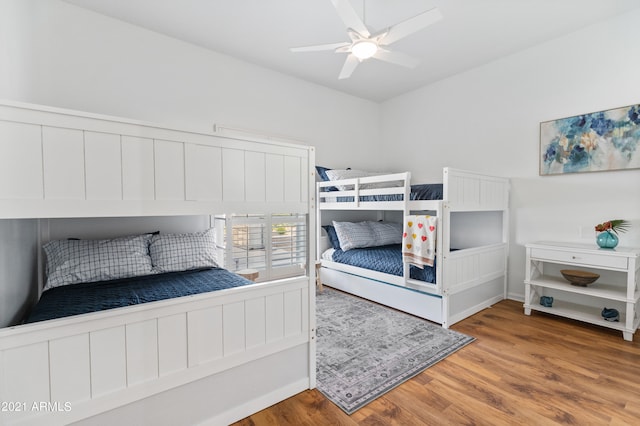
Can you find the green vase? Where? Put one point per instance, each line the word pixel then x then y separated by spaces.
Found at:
pixel 607 239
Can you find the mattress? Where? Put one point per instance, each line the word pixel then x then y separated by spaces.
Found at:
pixel 386 259
pixel 83 298
pixel 427 191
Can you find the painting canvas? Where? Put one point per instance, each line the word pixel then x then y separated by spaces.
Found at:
pixel 605 140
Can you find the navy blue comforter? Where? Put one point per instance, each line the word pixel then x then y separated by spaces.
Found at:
pixel 387 259
pixel 427 191
pixel 78 299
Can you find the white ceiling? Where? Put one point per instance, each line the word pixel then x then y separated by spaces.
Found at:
pixel 472 32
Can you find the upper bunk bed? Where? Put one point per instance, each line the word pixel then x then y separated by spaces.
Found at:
pixel 461 191
pixel 469 261
pixel 62 165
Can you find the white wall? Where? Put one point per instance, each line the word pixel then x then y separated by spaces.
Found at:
pixel 57 54
pixel 487 119
pixel 17 285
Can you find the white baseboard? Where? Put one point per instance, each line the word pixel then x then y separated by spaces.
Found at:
pixel 516 296
pixel 257 404
pixel 473 310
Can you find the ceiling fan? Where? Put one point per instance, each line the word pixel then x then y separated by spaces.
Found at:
pixel 364 45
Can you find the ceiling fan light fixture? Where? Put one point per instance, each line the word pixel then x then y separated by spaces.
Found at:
pixel 364 49
pixel 363 45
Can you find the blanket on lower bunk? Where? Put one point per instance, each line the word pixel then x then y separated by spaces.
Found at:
pixel 419 240
pixel 386 259
pixel 78 299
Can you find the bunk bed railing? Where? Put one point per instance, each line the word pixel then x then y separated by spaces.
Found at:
pixel 468 267
pixel 365 191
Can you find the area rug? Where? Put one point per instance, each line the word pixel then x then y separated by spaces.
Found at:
pixel 364 349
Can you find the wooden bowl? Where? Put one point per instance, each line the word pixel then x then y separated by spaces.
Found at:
pixel 581 278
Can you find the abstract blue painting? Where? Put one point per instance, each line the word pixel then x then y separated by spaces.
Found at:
pixel 600 141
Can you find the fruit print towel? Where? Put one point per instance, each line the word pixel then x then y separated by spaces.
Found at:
pixel 419 240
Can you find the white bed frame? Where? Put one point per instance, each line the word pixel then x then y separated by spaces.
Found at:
pixel 467 280
pixel 258 340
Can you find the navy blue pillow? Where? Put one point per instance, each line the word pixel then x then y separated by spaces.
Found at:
pixel 322 172
pixel 333 236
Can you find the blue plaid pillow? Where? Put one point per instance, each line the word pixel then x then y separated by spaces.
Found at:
pixel 181 252
pixel 367 234
pixel 80 261
pixel 354 234
pixel 385 233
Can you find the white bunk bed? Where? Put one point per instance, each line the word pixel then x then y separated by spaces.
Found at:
pixel 470 259
pixel 241 349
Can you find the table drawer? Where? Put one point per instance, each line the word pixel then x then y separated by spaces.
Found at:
pixel 588 259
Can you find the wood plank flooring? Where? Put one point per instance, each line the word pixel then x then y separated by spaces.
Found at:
pixel 529 370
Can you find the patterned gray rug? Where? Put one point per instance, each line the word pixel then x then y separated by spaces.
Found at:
pixel 364 350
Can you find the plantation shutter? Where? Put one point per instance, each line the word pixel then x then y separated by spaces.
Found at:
pixel 275 245
pixel 288 256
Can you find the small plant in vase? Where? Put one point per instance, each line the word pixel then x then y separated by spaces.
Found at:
pixel 608 232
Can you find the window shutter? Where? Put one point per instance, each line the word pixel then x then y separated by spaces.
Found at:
pixel 275 245
pixel 288 255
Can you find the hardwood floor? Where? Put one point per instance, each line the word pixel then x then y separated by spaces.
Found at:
pixel 529 370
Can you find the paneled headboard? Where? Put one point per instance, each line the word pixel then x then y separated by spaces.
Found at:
pixel 61 163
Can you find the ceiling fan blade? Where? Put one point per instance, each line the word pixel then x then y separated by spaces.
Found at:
pixel 350 17
pixel 319 47
pixel 350 64
pixel 354 35
pixel 397 58
pixel 412 25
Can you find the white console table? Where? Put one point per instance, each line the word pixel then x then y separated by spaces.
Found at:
pixel 619 290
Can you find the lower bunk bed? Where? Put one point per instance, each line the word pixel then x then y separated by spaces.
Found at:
pixel 89 349
pixel 377 274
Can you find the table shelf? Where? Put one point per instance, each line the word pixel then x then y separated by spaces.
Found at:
pixel 579 312
pixel 602 290
pixel 623 294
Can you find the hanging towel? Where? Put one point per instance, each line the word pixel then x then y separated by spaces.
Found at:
pixel 419 240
